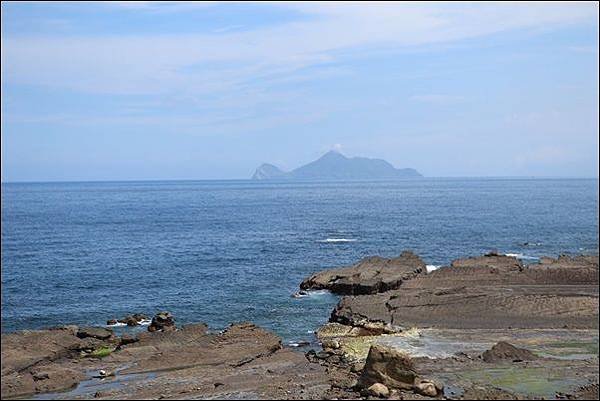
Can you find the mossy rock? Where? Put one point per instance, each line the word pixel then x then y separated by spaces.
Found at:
pixel 101 352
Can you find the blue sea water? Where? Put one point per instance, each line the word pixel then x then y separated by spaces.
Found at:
pixel 226 251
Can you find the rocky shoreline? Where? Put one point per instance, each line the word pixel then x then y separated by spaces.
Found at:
pixel 487 327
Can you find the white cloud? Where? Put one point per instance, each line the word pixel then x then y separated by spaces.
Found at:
pixel 225 60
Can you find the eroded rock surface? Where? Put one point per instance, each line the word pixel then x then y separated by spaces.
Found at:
pixel 244 361
pixel 32 360
pixel 486 292
pixel 369 276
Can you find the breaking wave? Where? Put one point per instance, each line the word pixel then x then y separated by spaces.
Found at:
pixel 143 322
pixel 337 240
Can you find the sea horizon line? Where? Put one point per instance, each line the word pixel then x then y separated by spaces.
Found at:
pixel 499 177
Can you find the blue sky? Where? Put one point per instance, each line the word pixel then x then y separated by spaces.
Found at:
pixel 139 90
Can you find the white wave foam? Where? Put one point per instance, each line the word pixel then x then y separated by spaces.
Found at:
pixel 143 322
pixel 317 293
pixel 298 343
pixel 337 240
pixel 521 256
pixel 431 268
pixel 310 293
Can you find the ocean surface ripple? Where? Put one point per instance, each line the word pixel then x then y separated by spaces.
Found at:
pixel 225 251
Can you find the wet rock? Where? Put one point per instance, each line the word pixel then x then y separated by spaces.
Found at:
pixel 99 333
pixel 162 321
pixel 369 276
pixel 378 390
pixel 387 366
pixel 130 320
pixel 503 351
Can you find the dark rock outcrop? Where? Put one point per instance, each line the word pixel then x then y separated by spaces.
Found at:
pixel 162 321
pixel 369 276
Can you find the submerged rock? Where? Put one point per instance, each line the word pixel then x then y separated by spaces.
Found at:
pixel 369 276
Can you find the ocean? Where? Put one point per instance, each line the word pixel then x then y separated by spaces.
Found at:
pixel 231 251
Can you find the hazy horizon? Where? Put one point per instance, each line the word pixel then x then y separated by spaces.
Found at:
pixel 128 91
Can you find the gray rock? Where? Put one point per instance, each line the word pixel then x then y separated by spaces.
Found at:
pixel 369 276
pixel 100 333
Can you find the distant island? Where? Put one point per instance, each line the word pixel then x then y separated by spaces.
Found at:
pixel 335 166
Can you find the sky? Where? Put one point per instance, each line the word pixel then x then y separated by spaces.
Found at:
pixel 164 90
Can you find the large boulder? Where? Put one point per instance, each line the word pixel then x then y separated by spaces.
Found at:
pixel 503 351
pixel 378 390
pixel 162 321
pixel 369 276
pixel 394 370
pixel 389 367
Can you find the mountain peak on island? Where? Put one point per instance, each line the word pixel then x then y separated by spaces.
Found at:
pixel 333 165
pixel 333 154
